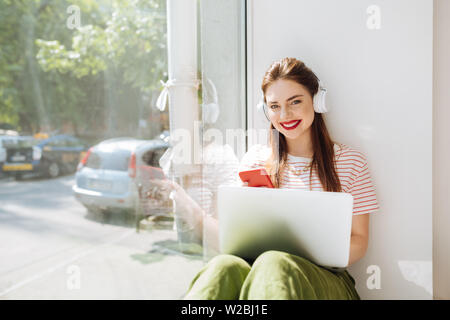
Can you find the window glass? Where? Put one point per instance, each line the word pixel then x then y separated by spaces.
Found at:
pixel 109 161
pixel 151 157
pixel 57 143
pixel 22 142
pixel 92 227
pixel 223 102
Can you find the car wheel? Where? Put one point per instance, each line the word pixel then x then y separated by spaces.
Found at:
pixel 53 170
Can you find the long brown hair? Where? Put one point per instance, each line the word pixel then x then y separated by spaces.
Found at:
pixel 323 146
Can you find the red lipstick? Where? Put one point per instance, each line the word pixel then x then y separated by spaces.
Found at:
pixel 290 125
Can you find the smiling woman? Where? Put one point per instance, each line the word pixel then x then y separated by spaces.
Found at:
pixel 298 140
pixel 296 124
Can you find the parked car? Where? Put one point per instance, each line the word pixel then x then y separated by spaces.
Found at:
pixel 3 141
pixel 2 150
pixel 107 176
pixel 46 157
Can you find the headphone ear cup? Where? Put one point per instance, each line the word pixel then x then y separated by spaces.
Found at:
pixel 316 102
pixel 319 100
pixel 265 111
pixel 262 107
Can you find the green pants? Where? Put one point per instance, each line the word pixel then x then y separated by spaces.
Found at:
pixel 273 275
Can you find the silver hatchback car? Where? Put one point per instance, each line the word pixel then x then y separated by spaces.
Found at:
pixel 106 176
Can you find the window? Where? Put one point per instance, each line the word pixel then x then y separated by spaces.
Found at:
pixel 90 70
pixel 117 160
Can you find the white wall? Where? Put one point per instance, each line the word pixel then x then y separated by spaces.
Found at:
pixel 441 151
pixel 380 94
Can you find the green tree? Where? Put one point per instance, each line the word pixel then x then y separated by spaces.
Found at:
pixel 98 77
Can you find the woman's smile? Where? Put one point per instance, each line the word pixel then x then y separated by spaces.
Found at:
pixel 290 125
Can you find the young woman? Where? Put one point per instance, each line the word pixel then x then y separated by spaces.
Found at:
pixel 301 155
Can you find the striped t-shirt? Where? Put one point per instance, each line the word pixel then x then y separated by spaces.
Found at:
pixel 352 170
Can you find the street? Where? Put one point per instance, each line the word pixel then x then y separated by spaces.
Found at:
pixel 52 248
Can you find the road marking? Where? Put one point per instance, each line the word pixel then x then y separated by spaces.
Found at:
pixel 64 263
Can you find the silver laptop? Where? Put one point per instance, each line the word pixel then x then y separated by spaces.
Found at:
pixel 315 225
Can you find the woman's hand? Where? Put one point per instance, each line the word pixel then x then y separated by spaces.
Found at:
pixel 186 207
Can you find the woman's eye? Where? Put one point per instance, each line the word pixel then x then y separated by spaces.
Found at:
pixel 273 106
pixel 296 101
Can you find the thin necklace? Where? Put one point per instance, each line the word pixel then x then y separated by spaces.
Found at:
pixel 298 171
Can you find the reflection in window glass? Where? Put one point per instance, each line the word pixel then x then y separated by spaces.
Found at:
pixel 223 82
pixel 89 70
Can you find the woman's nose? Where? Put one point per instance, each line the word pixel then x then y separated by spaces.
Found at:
pixel 284 113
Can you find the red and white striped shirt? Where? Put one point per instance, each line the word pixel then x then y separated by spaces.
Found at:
pixel 352 170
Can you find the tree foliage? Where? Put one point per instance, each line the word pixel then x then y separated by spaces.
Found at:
pixel 99 76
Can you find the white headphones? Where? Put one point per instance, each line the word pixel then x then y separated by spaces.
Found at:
pixel 211 110
pixel 318 101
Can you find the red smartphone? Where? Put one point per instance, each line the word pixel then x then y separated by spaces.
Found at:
pixel 256 178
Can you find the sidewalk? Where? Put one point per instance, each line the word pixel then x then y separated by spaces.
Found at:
pixel 146 265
